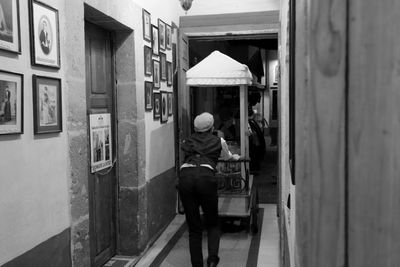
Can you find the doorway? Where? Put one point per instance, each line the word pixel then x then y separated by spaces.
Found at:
pixel 102 184
pixel 259 53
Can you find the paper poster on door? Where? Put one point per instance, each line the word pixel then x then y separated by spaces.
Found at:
pixel 100 141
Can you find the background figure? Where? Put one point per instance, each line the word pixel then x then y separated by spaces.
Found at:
pixel 7 105
pixel 44 38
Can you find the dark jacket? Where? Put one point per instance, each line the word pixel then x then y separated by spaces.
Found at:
pixel 202 148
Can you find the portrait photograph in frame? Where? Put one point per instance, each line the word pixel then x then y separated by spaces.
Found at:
pixel 148 68
pixel 164 107
pixel 168 36
pixel 163 66
pixel 154 40
pixel 169 103
pixel 156 105
pixel 11 102
pixel 146 25
pixel 148 95
pixel 161 33
pixel 169 73
pixel 47 110
pixel 156 74
pixel 10 35
pixel 45 38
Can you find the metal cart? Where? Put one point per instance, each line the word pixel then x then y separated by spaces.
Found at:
pixel 237 195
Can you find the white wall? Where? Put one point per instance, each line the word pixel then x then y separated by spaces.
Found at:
pixel 160 155
pixel 34 202
pixel 207 7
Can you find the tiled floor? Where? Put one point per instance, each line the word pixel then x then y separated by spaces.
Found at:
pixel 237 248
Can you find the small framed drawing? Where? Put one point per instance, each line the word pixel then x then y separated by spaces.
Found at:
pixel 45 38
pixel 10 36
pixel 148 69
pixel 156 74
pixel 148 95
pixel 11 102
pixel 168 36
pixel 169 103
pixel 169 73
pixel 154 40
pixel 156 105
pixel 163 66
pixel 161 33
pixel 146 25
pixel 47 111
pixel 164 107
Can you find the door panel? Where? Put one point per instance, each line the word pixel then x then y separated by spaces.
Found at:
pixel 102 185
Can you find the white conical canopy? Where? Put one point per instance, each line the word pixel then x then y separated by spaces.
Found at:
pixel 218 69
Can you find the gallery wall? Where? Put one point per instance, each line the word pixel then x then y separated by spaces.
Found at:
pixel 33 167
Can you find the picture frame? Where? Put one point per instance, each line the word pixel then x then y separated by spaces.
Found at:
pixel 10 32
pixel 168 36
pixel 163 66
pixel 11 102
pixel 169 103
pixel 164 107
pixel 169 73
pixel 146 17
pixel 156 74
pixel 148 95
pixel 100 141
pixel 148 68
pixel 47 105
pixel 161 34
pixel 155 43
pixel 156 105
pixel 45 37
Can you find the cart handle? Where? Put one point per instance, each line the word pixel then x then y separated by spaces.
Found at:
pixel 244 159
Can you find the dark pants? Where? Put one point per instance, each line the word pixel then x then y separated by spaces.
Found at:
pixel 198 188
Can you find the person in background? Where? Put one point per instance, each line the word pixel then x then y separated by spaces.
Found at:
pixel 5 106
pixel 257 146
pixel 198 187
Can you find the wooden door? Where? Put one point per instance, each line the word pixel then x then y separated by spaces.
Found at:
pixel 102 184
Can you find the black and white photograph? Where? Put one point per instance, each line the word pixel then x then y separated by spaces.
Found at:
pixel 169 73
pixel 146 25
pixel 100 141
pixel 148 68
pixel 156 105
pixel 161 34
pixel 156 74
pixel 11 103
pixel 168 36
pixel 163 66
pixel 45 38
pixel 10 26
pixel 148 95
pixel 164 107
pixel 47 103
pixel 155 43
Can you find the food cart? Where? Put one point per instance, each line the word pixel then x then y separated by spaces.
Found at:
pixel 237 195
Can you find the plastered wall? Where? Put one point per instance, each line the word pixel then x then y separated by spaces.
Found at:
pixel 33 168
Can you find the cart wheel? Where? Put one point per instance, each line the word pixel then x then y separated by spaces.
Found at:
pixel 254 221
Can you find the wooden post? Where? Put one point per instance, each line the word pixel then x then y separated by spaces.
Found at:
pixel 244 140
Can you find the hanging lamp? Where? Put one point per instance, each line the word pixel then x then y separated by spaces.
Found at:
pixel 186 4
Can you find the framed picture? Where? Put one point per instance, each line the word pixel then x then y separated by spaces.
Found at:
pixel 148 69
pixel 100 141
pixel 168 36
pixel 163 66
pixel 10 35
pixel 146 25
pixel 164 107
pixel 148 95
pixel 45 38
pixel 154 40
pixel 161 33
pixel 47 111
pixel 11 102
pixel 169 103
pixel 169 73
pixel 156 74
pixel 156 105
